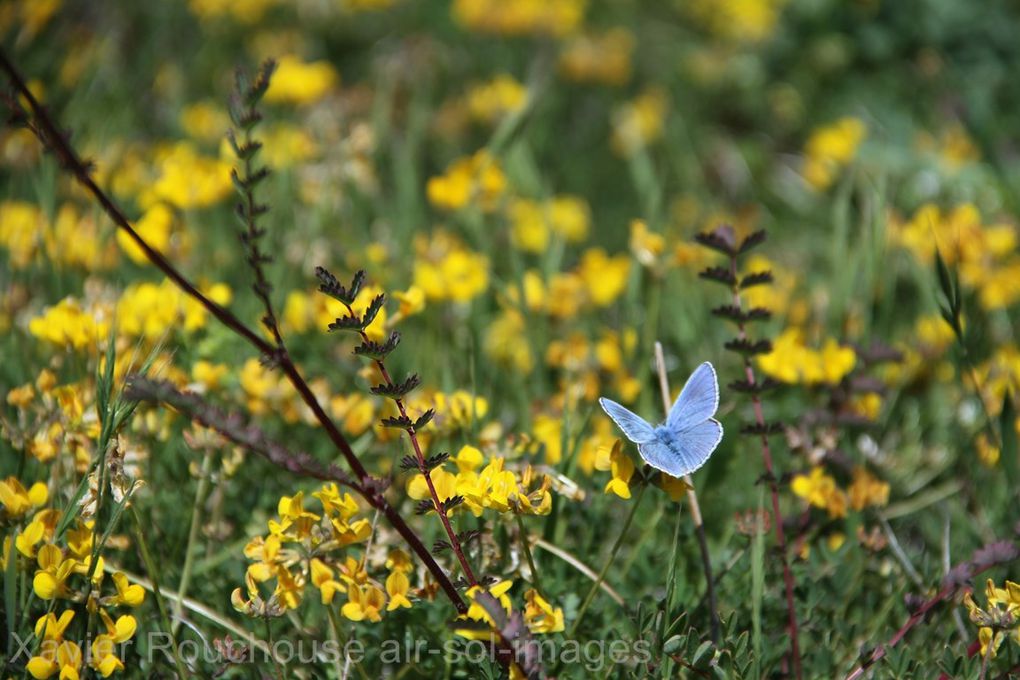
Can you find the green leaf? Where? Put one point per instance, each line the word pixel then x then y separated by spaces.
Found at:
pixel 703 655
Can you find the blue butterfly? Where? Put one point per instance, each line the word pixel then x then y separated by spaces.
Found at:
pixel 690 434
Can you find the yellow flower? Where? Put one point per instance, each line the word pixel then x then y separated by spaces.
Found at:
pixel 412 301
pixel 640 122
pixel 397 587
pixel 675 487
pixel 646 245
pixel 50 581
pixel 245 11
pixel 204 120
pixel 364 602
pixel 593 58
pixel 622 468
pixel 154 228
pixel 792 361
pixel 67 324
pixel 104 658
pixel 490 101
pixel 208 374
pixel 820 490
pixel 540 616
pixel 987 452
pixel 189 180
pixel 504 341
pixel 17 501
pixel 478 178
pixel 445 270
pixel 285 146
pixel 56 654
pixel 22 226
pixel 128 594
pixel 867 490
pixel 445 484
pixel 476 613
pixel 605 277
pixel 520 17
pixel 548 431
pixel 298 82
pixel 999 616
pixel 831 148
pixel 322 578
pixel 737 20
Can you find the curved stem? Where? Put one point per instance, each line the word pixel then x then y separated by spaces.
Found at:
pixel 766 454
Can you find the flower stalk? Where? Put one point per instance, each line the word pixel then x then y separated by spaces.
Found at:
pixel 723 240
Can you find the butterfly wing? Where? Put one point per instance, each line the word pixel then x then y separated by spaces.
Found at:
pixel 680 454
pixel 697 402
pixel 634 426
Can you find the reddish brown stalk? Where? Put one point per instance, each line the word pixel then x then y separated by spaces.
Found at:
pixel 48 133
pixel 766 452
pixel 989 556
pixel 423 468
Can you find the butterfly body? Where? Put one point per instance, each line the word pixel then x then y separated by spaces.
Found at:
pixel 690 434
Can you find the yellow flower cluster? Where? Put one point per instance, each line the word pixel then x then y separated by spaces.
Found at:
pixel 739 21
pixel 593 368
pixel 64 574
pixel 831 148
pixel 639 122
pixel 598 58
pixel 59 655
pixel 490 101
pixel 520 17
pixel 534 223
pixel 299 82
pixel 492 487
pixel 985 254
pixel 821 490
pixel 445 269
pixel 187 179
pixel 999 618
pixel 155 227
pixel 54 419
pixel 792 361
pixel 70 239
pixel 539 615
pixel 477 179
pixel 67 324
pixel 148 310
pixel 303 547
pixel 245 11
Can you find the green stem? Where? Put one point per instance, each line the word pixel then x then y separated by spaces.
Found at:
pixel 609 561
pixel 189 552
pixel 269 639
pixel 150 566
pixel 526 545
pixel 670 588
